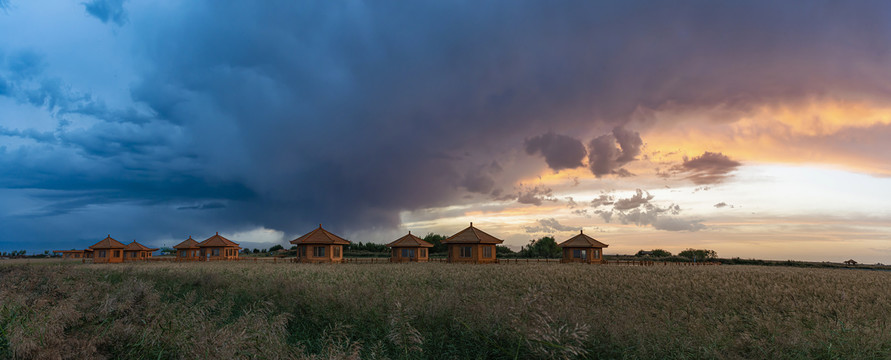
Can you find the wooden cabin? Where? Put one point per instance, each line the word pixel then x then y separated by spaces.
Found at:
pixel 187 250
pixel 582 249
pixel 136 251
pixel 75 254
pixel 108 251
pixel 320 246
pixel 472 245
pixel 409 248
pixel 218 248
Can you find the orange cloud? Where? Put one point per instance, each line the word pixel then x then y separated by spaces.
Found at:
pixel 836 133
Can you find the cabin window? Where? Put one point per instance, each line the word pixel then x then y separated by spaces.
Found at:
pixel 597 253
pixel 423 253
pixel 194 253
pixel 408 253
pixel 301 251
pixel 466 251
pixel 101 253
pixel 579 254
pixel 215 252
pixel 117 253
pixel 335 251
pixel 133 254
pixel 487 251
pixel 318 251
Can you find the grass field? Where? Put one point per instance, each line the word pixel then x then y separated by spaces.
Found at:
pixel 244 310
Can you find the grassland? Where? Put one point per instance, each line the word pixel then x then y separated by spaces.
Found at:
pixel 245 310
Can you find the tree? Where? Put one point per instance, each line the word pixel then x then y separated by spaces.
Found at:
pixel 370 247
pixel 503 250
pixel 436 240
pixel 698 254
pixel 294 247
pixel 256 251
pixel 654 253
pixel 545 247
pixel 167 250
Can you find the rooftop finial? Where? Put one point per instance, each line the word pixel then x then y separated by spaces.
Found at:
pixel 581 231
pixel 320 226
pixel 218 232
pixel 471 224
pixel 409 232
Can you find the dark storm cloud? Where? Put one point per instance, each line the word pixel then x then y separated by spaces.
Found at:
pixel 481 179
pixel 107 11
pixel 708 168
pixel 605 157
pixel 206 206
pixel 560 151
pixel 41 136
pixel 350 112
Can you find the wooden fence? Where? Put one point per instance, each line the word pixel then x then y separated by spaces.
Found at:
pixel 276 260
pixel 658 263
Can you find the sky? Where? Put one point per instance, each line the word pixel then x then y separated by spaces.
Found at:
pixel 757 129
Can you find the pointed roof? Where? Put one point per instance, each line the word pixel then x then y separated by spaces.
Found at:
pixel 217 241
pixel 108 243
pixel 135 246
pixel 187 244
pixel 582 241
pixel 410 241
pixel 472 235
pixel 320 236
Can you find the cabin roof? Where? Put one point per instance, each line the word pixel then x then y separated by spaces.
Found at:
pixel 135 246
pixel 410 241
pixel 187 244
pixel 108 243
pixel 472 235
pixel 320 236
pixel 217 241
pixel 582 241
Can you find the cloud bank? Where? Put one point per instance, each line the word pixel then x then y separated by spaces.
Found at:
pixel 292 114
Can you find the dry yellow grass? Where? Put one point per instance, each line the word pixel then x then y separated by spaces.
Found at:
pixel 246 310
